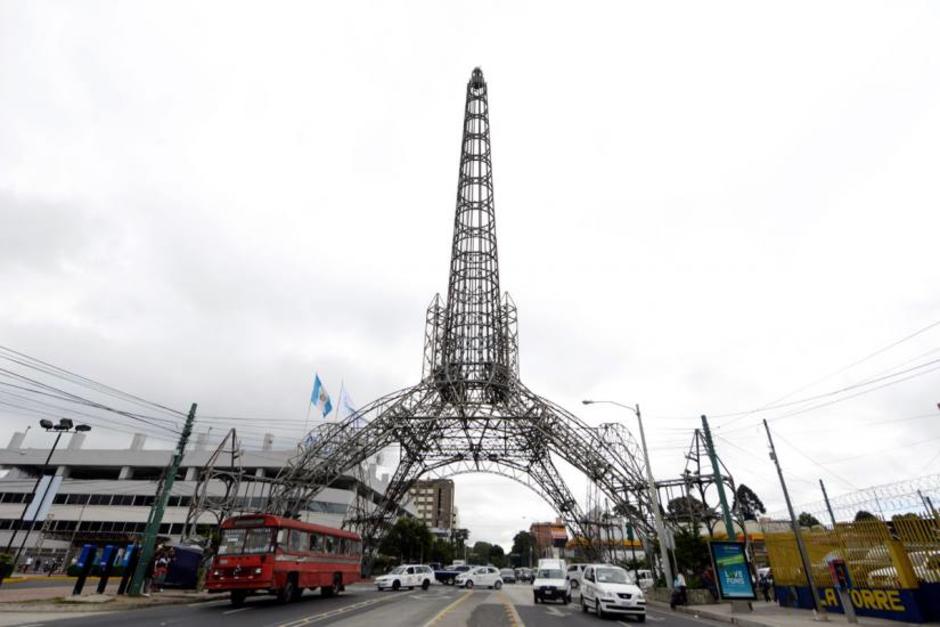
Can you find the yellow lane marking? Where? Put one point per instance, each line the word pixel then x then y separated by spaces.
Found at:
pixel 514 619
pixel 449 608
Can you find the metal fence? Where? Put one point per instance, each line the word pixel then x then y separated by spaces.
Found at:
pixel 901 553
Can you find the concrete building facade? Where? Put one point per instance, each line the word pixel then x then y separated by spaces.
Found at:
pixel 433 501
pixel 106 494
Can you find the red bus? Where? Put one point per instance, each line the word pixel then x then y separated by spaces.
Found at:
pixel 282 556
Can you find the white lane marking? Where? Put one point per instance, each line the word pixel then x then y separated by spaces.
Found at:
pixel 554 611
pixel 241 609
pixel 210 603
pixel 306 620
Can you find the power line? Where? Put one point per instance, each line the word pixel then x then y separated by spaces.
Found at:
pixel 841 390
pixel 849 366
pixel 81 380
pixel 817 464
pixel 751 454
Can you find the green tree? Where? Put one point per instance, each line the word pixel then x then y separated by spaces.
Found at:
pixel 409 539
pixel 459 537
pixel 497 556
pixel 442 551
pixel 686 507
pixel 691 551
pixel 748 503
pixel 861 515
pixel 480 553
pixel 523 545
pixel 806 519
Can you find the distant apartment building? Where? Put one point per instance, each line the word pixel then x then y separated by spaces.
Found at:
pixel 549 535
pixel 433 502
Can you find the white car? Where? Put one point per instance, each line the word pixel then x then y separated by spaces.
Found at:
pixel 606 590
pixel 574 574
pixel 406 576
pixel 480 576
pixel 926 568
pixel 551 582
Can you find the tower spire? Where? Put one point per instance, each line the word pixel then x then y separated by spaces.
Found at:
pixel 474 355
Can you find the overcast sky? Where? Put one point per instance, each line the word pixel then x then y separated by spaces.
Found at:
pixel 701 208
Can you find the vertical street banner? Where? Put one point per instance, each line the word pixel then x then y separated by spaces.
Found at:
pixel 39 507
pixel 732 571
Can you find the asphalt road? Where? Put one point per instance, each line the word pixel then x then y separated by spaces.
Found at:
pixel 362 606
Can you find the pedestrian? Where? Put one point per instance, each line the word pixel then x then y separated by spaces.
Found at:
pixel 148 573
pixel 26 564
pixel 709 578
pixel 37 565
pixel 764 585
pixel 160 568
pixel 679 596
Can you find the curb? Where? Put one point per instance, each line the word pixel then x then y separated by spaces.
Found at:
pixel 714 616
pixel 44 606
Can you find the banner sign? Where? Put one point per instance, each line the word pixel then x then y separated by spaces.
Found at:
pixel 732 571
pixel 46 491
pixel 894 604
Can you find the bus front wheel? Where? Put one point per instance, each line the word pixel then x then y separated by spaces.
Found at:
pixel 289 592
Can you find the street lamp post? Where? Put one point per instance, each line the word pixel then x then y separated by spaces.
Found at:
pixel 654 496
pixel 65 425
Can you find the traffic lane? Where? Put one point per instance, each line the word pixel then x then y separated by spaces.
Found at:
pixel 435 607
pixel 258 610
pixel 557 614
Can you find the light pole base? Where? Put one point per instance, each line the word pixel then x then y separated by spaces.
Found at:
pixel 820 617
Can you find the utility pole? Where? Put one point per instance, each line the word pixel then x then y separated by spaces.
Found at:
pixel 819 612
pixel 653 493
pixel 928 504
pixel 159 506
pixel 654 503
pixel 725 511
pixel 832 516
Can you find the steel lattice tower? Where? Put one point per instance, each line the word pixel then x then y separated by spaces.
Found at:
pixel 470 412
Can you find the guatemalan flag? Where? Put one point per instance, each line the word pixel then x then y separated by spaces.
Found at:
pixel 320 398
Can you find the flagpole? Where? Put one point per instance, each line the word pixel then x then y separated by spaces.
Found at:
pixel 307 419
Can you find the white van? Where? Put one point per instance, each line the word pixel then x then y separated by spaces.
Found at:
pixel 645 580
pixel 551 582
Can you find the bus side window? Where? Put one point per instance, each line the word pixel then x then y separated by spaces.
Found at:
pixel 329 545
pixel 297 541
pixel 343 546
pixel 282 538
pixel 316 543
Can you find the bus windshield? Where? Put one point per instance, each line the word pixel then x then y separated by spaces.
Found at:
pixel 239 541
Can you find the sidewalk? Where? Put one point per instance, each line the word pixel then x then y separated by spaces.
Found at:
pixel 772 615
pixel 59 598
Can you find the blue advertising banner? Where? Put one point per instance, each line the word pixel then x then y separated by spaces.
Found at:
pixel 732 571
pixel 895 604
